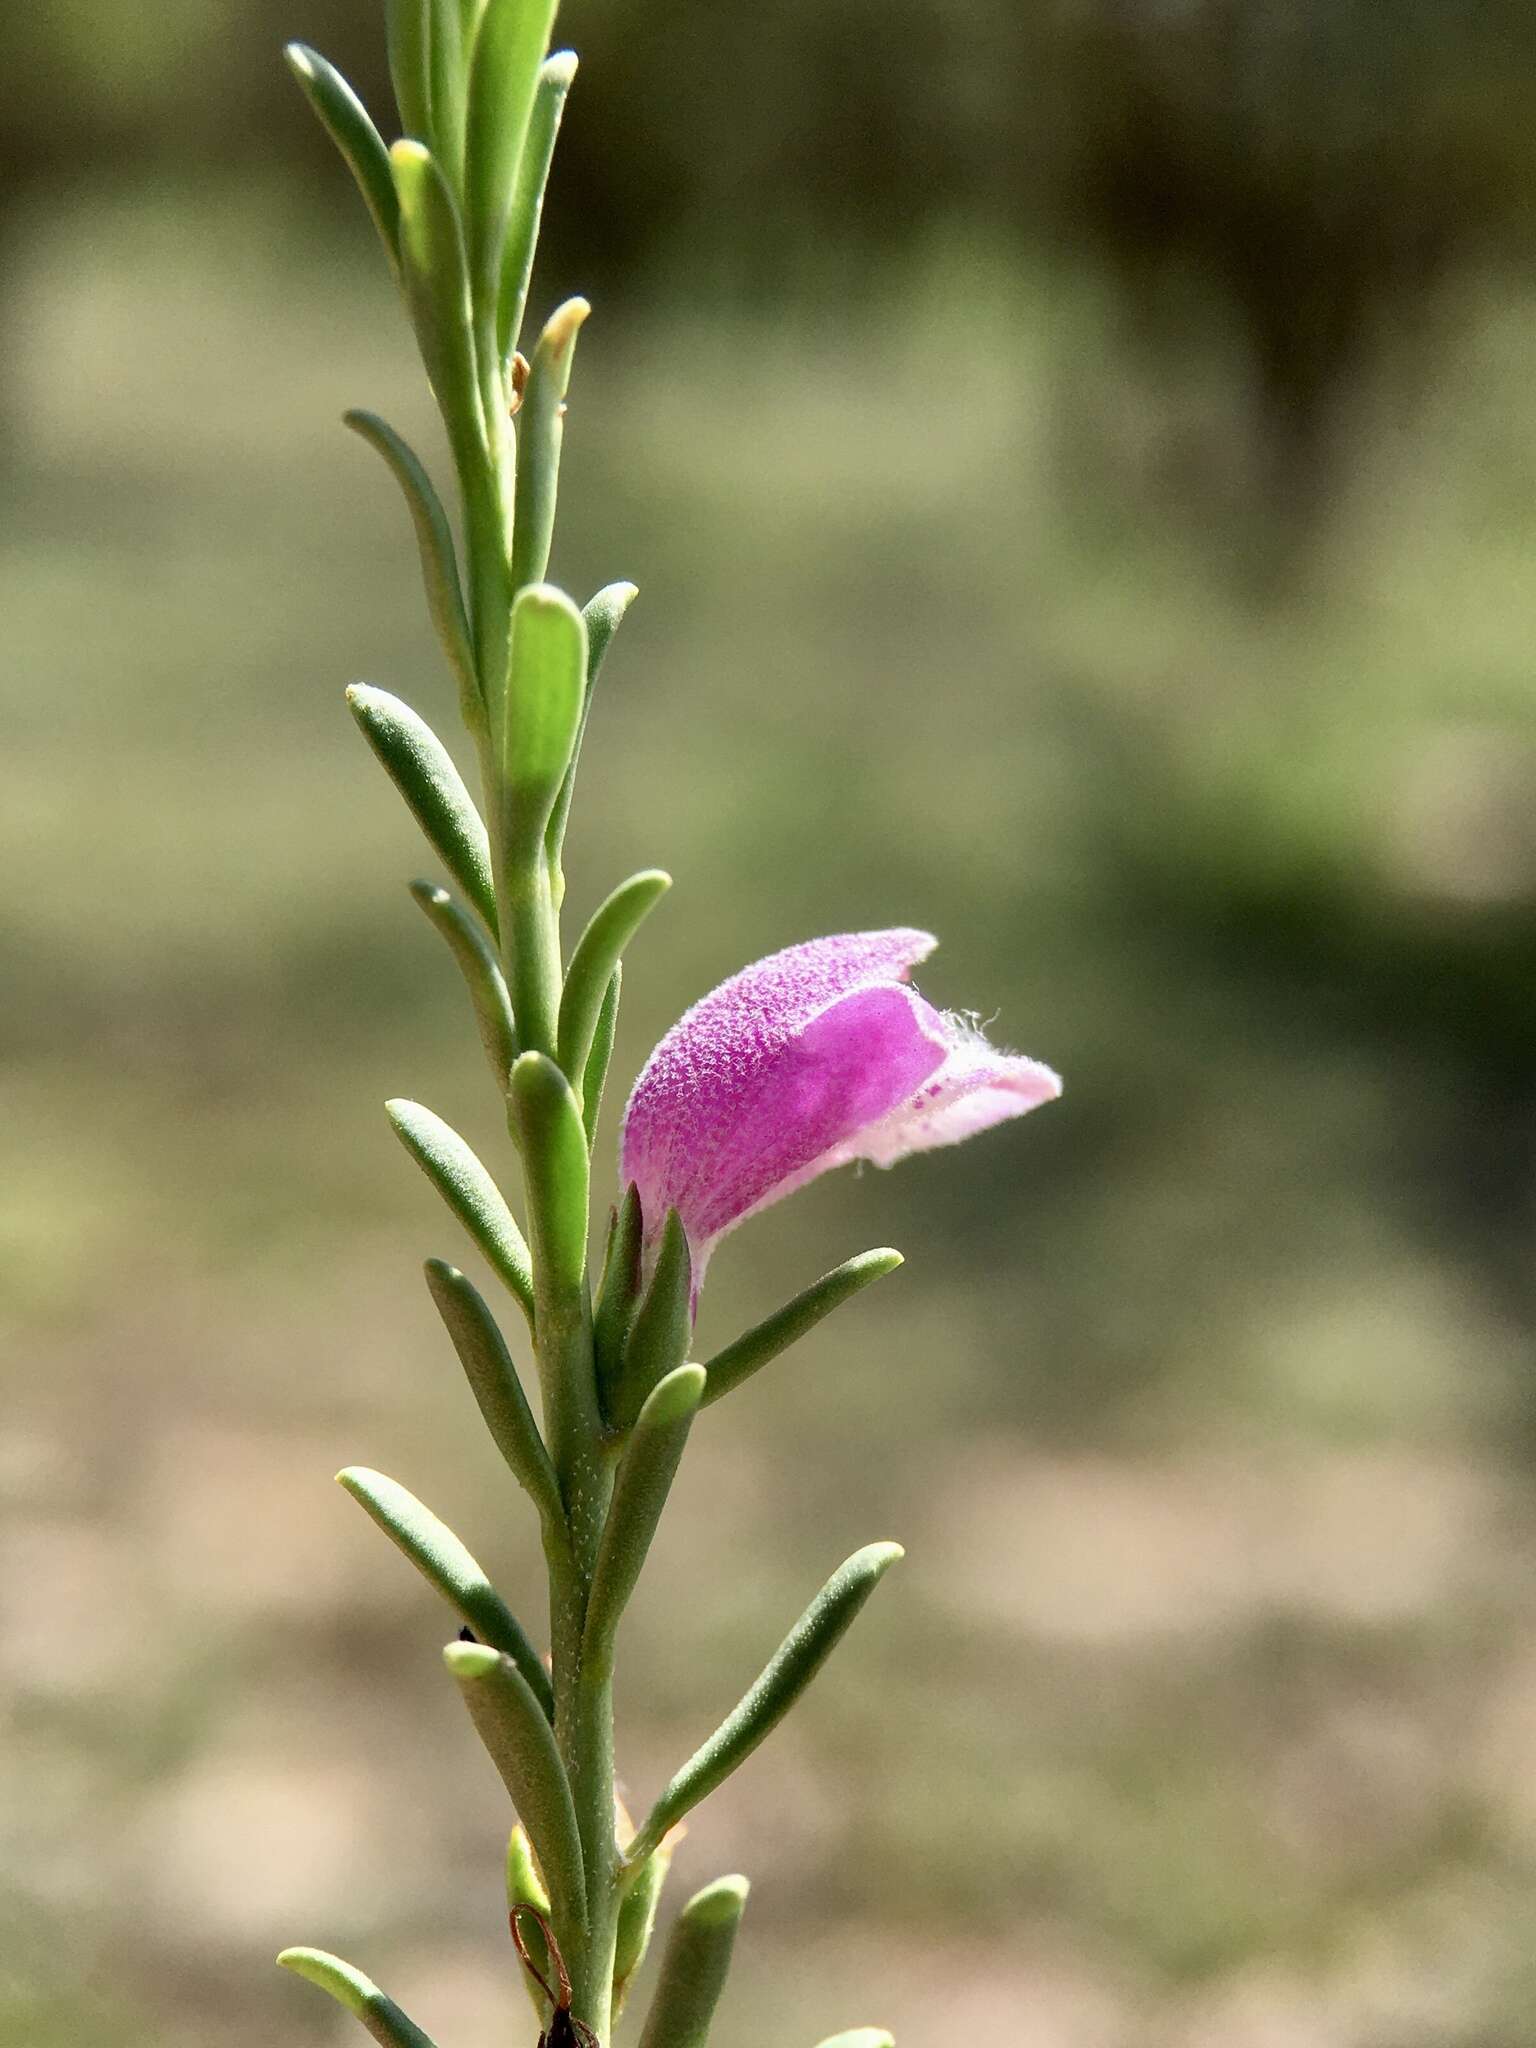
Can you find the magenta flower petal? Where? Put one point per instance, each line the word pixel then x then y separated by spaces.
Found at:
pixel 812 1058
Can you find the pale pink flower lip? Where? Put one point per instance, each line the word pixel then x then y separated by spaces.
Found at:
pixel 810 1059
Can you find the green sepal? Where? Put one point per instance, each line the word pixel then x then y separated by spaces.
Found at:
pixel 498 1391
pixel 618 1294
pixel 662 1329
pixel 521 1744
pixel 554 82
pixel 359 1994
pixel 409 65
pixel 439 563
pixel 420 767
pixel 346 120
pixel 796 1662
pixel 753 1350
pixel 540 430
pixel 861 2037
pixel 503 80
pixel 538 721
pixel 598 952
pixel 469 1192
pixel 525 1887
pixel 595 1074
pixel 445 1563
pixel 481 970
pixel 637 1922
pixel 546 1119
pixel 432 266
pixel 601 615
pixel 694 1967
pixel 640 1490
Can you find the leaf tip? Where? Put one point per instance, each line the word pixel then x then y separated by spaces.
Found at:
pixel 470 1662
pixel 559 67
pixel 719 1903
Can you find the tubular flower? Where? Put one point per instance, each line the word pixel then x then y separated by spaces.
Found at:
pixel 810 1059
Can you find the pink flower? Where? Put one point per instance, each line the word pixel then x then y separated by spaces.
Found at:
pixel 812 1058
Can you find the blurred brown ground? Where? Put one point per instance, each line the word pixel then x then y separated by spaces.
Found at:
pixel 1203 1711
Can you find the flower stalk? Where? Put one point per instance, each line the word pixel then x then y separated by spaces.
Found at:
pixel 818 1055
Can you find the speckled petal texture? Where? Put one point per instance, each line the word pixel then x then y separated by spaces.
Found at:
pixel 812 1058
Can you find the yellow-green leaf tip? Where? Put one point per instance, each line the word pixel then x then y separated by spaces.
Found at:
pixel 719 1903
pixel 347 1986
pixel 471 1661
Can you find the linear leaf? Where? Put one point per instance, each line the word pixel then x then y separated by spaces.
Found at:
pixel 595 1074
pixel 448 60
pixel 693 1970
pixel 482 976
pixel 640 1491
pixel 547 1119
pixel 359 1994
pixel 753 1350
pixel 555 76
pixel 421 768
pixel 618 1293
pixel 346 120
pixel 598 952
pixel 545 686
pixel 433 267
pixel 540 431
pixel 503 79
pixel 602 614
pixel 494 1382
pixel 637 1922
pixel 439 564
pixel 468 1190
pixel 801 1655
pixel 445 1563
pixel 521 1744
pixel 409 70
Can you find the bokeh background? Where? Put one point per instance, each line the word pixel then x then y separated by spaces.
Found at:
pixel 1079 460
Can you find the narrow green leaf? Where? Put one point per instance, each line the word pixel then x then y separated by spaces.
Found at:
pixel 644 1479
pixel 547 1120
pixel 521 1744
pixel 595 1075
pixel 409 70
pixel 494 1382
pixel 468 1190
pixel 602 614
pixel 503 79
pixel 481 970
pixel 750 1352
pixel 432 264
pixel 546 681
pixel 439 564
pixel 444 1563
pixel 448 59
pixel 618 1295
pixel 540 430
pixel 801 1655
pixel 862 2037
pixel 598 952
pixel 693 1970
pixel 359 1994
pixel 526 1888
pixel 637 1922
pixel 663 1326
pixel 554 82
pixel 420 767
pixel 345 119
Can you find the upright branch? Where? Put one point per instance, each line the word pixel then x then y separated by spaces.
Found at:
pixel 824 1065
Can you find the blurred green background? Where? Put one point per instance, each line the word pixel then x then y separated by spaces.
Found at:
pixel 1078 462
